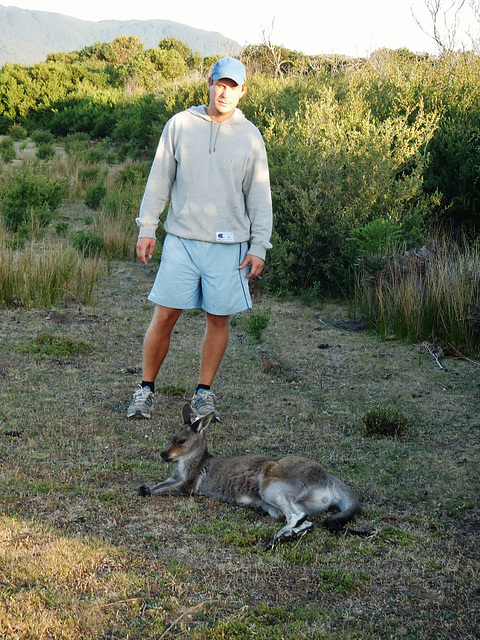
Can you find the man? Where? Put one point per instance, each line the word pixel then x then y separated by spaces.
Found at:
pixel 211 163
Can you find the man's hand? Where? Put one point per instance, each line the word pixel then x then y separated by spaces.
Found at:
pixel 256 265
pixel 145 247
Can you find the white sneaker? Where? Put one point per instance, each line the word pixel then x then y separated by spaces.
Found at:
pixel 142 404
pixel 203 403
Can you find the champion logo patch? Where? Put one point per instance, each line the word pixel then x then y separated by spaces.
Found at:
pixel 223 236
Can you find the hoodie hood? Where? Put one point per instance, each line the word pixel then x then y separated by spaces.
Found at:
pixel 236 118
pixel 200 112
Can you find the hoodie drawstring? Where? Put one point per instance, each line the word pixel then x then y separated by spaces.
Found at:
pixel 213 148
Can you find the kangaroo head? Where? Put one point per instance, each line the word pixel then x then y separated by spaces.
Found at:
pixel 190 439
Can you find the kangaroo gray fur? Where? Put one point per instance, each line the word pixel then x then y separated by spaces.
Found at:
pixel 293 486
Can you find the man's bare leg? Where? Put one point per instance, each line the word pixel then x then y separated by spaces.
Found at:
pixel 213 349
pixel 157 340
pixel 214 346
pixel 155 348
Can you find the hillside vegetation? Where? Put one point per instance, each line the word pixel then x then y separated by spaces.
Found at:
pixel 27 37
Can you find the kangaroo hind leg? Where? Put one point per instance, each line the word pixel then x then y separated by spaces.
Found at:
pixel 296 517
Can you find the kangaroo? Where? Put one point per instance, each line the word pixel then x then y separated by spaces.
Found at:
pixel 293 486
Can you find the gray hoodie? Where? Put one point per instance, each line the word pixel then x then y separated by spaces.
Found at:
pixel 216 176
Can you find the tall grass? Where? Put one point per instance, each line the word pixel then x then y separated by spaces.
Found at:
pixel 426 295
pixel 115 222
pixel 45 274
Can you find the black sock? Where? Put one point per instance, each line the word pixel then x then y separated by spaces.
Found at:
pixel 150 385
pixel 203 386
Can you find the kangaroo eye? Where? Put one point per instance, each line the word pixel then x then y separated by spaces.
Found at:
pixel 180 442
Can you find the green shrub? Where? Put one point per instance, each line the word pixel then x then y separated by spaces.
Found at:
pixel 124 204
pixel 255 323
pixel 133 174
pixel 98 154
pixel 30 194
pixel 88 174
pixel 61 227
pixel 42 137
pixel 7 150
pixel 374 237
pixel 335 168
pixel 95 195
pixel 88 242
pixel 17 132
pixel 453 168
pixel 45 151
pixel 75 143
pixel 384 421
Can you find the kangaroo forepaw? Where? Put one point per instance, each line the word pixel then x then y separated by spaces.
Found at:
pixel 144 490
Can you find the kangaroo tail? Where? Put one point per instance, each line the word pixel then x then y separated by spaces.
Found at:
pixel 340 530
pixel 349 508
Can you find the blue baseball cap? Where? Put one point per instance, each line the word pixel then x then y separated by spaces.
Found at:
pixel 229 68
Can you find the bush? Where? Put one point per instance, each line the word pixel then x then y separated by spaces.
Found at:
pixel 45 152
pixel 384 421
pixel 75 143
pixel 335 168
pixel 61 227
pixel 255 323
pixel 30 193
pixel 453 167
pixel 134 173
pixel 89 243
pixel 17 132
pixel 95 195
pixel 7 150
pixel 42 137
pixel 88 174
pixel 99 153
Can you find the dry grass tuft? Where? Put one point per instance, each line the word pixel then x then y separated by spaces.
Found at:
pixel 45 274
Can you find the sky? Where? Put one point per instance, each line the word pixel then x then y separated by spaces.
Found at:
pixel 349 27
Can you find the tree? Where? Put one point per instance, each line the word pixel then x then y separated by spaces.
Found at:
pixel 446 17
pixel 268 57
pixel 175 44
pixel 117 52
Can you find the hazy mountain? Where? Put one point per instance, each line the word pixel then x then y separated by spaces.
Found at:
pixel 29 36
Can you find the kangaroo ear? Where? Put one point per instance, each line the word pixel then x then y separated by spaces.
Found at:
pixel 202 423
pixel 187 414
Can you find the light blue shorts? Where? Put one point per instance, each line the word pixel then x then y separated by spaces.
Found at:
pixel 202 275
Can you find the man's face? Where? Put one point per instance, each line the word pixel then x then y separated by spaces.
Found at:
pixel 224 97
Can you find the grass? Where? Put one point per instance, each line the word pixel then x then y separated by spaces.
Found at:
pixel 45 274
pixel 384 421
pixel 83 556
pixel 424 296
